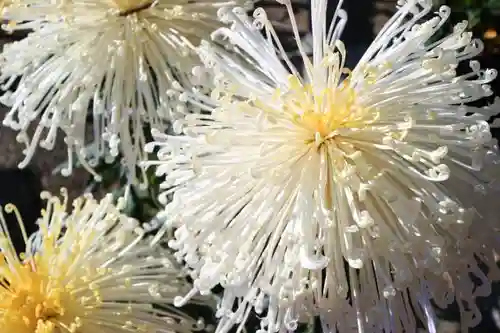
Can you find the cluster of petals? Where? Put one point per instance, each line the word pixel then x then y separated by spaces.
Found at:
pixel 328 191
pixel 88 269
pixel 112 62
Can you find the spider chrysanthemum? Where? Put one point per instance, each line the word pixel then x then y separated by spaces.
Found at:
pixel 328 193
pixel 86 271
pixel 110 61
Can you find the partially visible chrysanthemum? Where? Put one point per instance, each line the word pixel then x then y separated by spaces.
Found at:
pixel 329 193
pixel 110 61
pixel 86 271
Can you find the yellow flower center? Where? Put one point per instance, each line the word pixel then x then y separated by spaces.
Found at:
pixel 323 113
pixel 33 302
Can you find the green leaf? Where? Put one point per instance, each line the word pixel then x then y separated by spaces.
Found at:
pixel 474 17
pixel 493 4
pixel 470 3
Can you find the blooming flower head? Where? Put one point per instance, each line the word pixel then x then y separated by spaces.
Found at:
pixel 110 61
pixel 328 193
pixel 88 270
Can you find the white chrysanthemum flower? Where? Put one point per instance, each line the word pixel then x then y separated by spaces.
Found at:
pixel 89 270
pixel 325 193
pixel 112 61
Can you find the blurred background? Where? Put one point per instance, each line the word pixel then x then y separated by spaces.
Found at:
pixel 366 18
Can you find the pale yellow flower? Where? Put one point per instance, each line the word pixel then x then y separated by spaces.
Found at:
pixel 327 191
pixel 88 270
pixel 113 62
